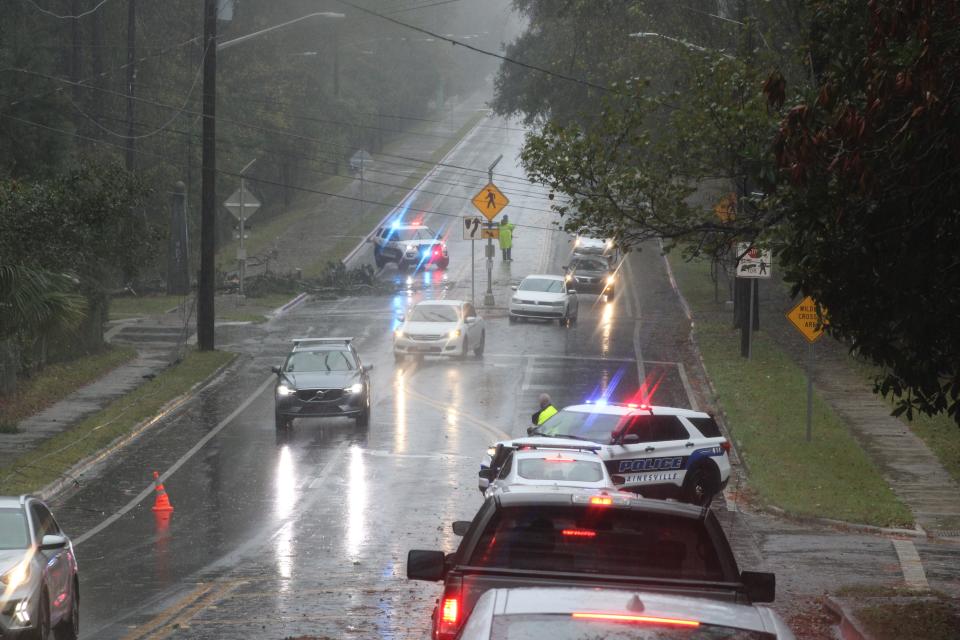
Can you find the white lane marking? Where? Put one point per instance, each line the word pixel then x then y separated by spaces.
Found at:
pixel 686 386
pixel 913 574
pixel 176 465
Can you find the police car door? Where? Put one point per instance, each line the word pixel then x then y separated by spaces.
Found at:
pixel 652 454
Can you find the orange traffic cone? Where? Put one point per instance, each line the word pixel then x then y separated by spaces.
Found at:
pixel 162 503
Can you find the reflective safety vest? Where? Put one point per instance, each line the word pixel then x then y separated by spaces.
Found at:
pixel 546 414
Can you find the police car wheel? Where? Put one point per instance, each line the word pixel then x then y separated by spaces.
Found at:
pixel 699 487
pixel 363 420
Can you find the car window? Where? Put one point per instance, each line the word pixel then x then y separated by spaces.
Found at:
pixel 555 626
pixel 541 284
pixel 43 521
pixel 560 469
pixel 13 530
pixel 657 428
pixel 613 541
pixel 707 426
pixel 596 427
pixel 505 469
pixel 589 265
pixel 435 313
pixel 314 361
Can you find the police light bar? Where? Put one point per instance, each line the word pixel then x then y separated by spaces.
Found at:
pixel 299 341
pixel 528 446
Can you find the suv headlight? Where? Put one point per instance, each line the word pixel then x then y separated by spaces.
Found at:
pixel 411 247
pixel 16 576
pixel 609 280
pixel 285 390
pixel 398 333
pixel 356 387
pixel 455 333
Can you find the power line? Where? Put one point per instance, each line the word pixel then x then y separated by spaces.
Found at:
pixel 273 183
pixel 76 17
pixel 422 6
pixel 525 65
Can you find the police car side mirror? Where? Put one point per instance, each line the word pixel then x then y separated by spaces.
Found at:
pixel 530 430
pixel 426 565
pixel 460 527
pixel 513 287
pixel 485 474
pixel 276 370
pixel 630 438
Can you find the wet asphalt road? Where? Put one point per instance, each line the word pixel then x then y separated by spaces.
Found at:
pixel 308 534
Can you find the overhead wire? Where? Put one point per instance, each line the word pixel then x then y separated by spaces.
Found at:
pixel 66 17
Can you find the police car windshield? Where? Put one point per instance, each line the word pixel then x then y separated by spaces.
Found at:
pixel 560 470
pixel 434 313
pixel 561 626
pixel 13 530
pixel 542 284
pixel 320 361
pixel 582 425
pixel 589 264
pixel 410 234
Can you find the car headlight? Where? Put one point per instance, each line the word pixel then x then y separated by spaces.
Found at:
pixel 356 387
pixel 609 244
pixel 284 390
pixel 609 280
pixel 455 333
pixel 398 333
pixel 411 247
pixel 16 576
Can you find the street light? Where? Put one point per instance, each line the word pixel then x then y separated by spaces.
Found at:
pixel 208 203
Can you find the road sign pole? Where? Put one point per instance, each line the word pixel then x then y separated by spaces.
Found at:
pixel 746 347
pixel 810 356
pixel 473 273
pixel 488 300
pixel 242 256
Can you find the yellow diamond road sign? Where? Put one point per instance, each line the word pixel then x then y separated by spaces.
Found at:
pixel 490 201
pixel 805 318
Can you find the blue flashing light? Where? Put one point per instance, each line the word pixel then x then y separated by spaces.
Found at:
pixel 602 402
pixel 395 225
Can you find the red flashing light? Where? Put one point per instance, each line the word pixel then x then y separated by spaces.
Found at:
pixel 620 617
pixel 579 533
pixel 602 501
pixel 725 445
pixel 451 610
pixel 632 405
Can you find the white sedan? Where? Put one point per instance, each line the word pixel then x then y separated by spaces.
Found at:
pixel 546 466
pixel 544 296
pixel 440 327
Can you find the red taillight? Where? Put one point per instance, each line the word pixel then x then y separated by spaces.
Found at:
pixel 725 445
pixel 451 610
pixel 620 617
pixel 580 533
pixel 598 500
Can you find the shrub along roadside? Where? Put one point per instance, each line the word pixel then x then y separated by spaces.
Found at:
pixel 765 401
pixel 43 465
pixel 57 381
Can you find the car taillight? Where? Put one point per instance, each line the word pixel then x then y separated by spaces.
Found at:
pixel 451 610
pixel 620 617
pixel 602 501
pixel 725 445
pixel 579 533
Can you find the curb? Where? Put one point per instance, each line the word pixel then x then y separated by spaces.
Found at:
pixel 290 304
pixel 71 476
pixel 410 193
pixel 856 526
pixel 849 627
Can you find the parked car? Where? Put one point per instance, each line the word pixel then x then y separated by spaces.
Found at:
pixel 409 245
pixel 39 582
pixel 440 327
pixel 549 466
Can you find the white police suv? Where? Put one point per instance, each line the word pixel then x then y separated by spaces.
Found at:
pixel 660 452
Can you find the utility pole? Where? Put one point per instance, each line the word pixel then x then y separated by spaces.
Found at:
pixel 208 204
pixel 131 77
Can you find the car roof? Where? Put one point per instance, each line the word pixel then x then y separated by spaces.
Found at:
pixel 566 600
pixel 12 502
pixel 543 276
pixel 623 410
pixel 408 226
pixel 564 496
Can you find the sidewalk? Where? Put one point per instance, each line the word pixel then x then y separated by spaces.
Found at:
pixel 913 472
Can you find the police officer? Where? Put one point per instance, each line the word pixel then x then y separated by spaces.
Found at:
pixel 546 410
pixel 506 238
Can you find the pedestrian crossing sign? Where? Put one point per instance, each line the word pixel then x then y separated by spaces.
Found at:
pixel 490 201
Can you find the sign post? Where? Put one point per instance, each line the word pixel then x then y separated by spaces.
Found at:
pixel 753 263
pixel 809 318
pixel 475 228
pixel 490 201
pixel 242 204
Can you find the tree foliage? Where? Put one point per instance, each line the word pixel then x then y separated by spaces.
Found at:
pixel 871 167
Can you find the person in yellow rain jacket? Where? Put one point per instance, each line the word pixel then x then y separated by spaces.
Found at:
pixel 546 411
pixel 506 238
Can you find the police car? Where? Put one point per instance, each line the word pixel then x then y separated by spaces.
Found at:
pixel 537 467
pixel 659 452
pixel 322 377
pixel 409 245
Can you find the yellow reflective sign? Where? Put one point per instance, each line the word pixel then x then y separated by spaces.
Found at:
pixel 490 201
pixel 806 318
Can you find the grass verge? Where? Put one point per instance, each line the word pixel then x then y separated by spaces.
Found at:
pixel 56 382
pixel 41 466
pixel 765 401
pixel 253 309
pixel 929 619
pixel 133 306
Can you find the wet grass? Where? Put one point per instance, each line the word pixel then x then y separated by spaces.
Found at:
pixel 49 461
pixel 254 310
pixel 56 382
pixel 927 619
pixel 765 403
pixel 134 306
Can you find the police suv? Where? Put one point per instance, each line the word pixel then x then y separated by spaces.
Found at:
pixel 409 245
pixel 659 452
